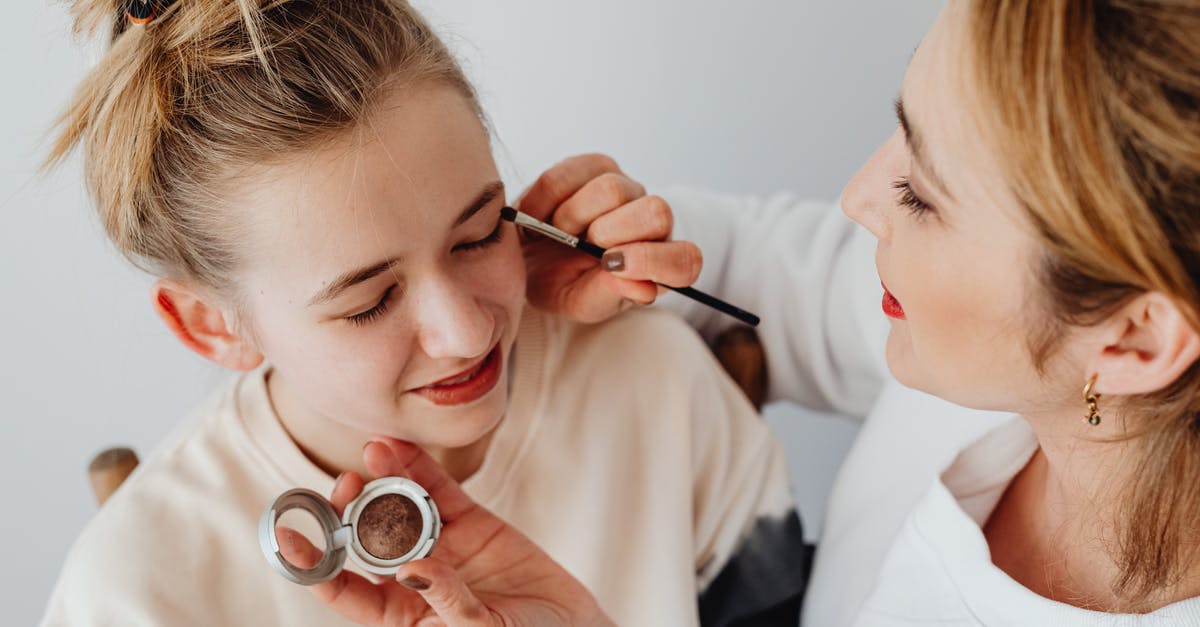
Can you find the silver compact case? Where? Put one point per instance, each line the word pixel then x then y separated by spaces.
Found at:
pixel 392 522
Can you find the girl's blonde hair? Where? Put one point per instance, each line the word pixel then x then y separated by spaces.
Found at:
pixel 1094 107
pixel 178 107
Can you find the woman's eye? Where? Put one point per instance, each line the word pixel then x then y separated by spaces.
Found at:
pixel 372 314
pixel 909 199
pixel 492 238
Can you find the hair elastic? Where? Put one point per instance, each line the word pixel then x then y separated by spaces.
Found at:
pixel 144 11
pixel 141 11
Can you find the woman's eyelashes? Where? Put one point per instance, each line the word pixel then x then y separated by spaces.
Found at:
pixel 909 199
pixel 373 314
pixel 492 238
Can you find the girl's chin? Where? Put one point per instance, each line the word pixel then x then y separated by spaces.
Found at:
pixel 450 431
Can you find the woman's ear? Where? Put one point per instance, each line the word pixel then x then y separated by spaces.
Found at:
pixel 199 323
pixel 1149 344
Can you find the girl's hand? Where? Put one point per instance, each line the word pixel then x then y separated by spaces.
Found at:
pixel 589 196
pixel 481 572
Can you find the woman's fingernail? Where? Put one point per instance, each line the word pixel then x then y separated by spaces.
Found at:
pixel 413 582
pixel 337 483
pixel 614 261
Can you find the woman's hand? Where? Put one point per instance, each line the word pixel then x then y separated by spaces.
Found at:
pixel 590 195
pixel 481 572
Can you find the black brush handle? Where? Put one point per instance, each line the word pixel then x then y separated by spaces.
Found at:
pixel 694 294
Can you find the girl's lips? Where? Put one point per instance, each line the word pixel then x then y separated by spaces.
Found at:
pixel 468 386
pixel 891 306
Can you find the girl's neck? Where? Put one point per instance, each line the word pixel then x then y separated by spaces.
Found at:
pixel 336 448
pixel 1056 526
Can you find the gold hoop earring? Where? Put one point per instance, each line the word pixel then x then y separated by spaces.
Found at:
pixel 1093 416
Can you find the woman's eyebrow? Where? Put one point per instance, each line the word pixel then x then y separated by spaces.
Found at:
pixel 913 139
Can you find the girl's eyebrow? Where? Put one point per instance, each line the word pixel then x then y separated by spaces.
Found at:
pixel 485 196
pixel 913 139
pixel 349 279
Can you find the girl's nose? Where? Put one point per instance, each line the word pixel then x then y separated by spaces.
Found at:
pixel 451 322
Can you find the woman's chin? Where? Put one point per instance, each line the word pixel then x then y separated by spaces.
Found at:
pixel 900 360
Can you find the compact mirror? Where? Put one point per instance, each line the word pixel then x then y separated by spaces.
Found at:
pixel 392 522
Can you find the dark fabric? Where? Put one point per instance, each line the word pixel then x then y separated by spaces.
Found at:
pixel 763 582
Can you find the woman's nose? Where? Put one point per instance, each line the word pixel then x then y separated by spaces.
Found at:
pixel 869 197
pixel 451 322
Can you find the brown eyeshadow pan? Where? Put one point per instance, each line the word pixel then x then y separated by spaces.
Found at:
pixel 389 526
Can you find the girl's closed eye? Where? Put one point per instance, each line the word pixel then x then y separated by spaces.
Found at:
pixel 492 238
pixel 373 314
pixel 909 199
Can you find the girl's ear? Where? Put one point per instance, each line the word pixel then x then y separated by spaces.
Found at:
pixel 1150 344
pixel 199 323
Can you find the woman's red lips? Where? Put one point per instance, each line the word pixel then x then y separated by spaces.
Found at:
pixel 467 386
pixel 891 306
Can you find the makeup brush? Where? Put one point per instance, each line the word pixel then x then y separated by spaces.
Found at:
pixel 562 237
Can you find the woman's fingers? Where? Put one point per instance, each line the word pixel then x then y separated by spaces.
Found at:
pixel 354 597
pixel 597 197
pixel 386 456
pixel 348 486
pixel 676 264
pixel 561 182
pixel 349 594
pixel 645 219
pixel 296 549
pixel 445 591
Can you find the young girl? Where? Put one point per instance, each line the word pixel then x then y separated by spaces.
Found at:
pixel 314 185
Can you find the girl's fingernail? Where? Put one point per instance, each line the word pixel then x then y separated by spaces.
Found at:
pixel 337 483
pixel 413 582
pixel 614 261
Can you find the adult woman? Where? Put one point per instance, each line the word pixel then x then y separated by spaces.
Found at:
pixel 1037 235
pixel 1036 226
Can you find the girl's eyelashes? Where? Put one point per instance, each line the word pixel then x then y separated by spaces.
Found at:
pixel 380 308
pixel 909 199
pixel 373 314
pixel 492 238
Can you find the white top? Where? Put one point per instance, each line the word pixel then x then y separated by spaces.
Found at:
pixel 626 453
pixel 901 542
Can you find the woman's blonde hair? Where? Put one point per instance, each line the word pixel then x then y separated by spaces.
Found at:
pixel 1094 107
pixel 180 106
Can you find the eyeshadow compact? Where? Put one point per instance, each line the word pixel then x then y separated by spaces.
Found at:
pixel 392 522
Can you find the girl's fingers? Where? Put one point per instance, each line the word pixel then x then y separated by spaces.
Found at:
pixel 561 182
pixel 676 264
pixel 597 197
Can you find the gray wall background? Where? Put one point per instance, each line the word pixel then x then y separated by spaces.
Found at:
pixel 750 97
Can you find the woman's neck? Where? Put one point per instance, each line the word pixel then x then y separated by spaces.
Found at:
pixel 336 448
pixel 1056 525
